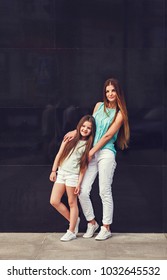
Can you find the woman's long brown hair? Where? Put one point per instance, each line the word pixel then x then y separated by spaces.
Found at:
pixel 124 132
pixel 70 146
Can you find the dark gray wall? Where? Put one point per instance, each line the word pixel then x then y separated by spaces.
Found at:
pixel 60 52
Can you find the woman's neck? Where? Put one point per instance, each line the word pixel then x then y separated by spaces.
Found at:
pixel 111 105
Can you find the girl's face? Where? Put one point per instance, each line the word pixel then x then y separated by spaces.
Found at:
pixel 86 129
pixel 111 94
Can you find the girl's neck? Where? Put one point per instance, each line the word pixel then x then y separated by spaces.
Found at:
pixel 83 138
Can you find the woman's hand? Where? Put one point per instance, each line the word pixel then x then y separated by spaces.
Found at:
pixel 52 176
pixel 70 135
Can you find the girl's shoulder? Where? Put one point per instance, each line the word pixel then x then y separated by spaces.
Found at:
pixel 97 106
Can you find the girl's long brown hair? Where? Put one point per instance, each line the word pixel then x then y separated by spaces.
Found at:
pixel 124 132
pixel 70 146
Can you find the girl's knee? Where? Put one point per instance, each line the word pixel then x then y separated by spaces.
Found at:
pixel 72 202
pixel 55 203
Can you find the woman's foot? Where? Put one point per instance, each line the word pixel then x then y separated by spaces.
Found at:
pixel 103 234
pixel 91 228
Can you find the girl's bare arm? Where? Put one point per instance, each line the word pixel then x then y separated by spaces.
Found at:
pixel 56 161
pixel 81 175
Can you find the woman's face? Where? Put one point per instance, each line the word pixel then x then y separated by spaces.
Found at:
pixel 86 129
pixel 111 94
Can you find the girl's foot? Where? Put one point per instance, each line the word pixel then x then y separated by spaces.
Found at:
pixel 69 235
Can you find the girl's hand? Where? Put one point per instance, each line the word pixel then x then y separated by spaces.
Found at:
pixel 52 176
pixel 77 190
pixel 70 135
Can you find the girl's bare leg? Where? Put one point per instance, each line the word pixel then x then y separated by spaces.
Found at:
pixel 73 204
pixel 55 200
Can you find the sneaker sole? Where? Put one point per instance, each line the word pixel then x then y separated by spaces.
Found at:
pixel 100 239
pixel 66 240
pixel 87 236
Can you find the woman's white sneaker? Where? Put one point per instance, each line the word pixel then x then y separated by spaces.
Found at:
pixel 69 235
pixel 103 234
pixel 91 230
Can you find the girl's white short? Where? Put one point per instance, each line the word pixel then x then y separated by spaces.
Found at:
pixel 66 178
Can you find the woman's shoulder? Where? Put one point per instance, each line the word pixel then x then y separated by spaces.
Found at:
pixel 98 104
pixel 119 116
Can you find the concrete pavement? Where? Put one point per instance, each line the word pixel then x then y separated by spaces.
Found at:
pixel 47 246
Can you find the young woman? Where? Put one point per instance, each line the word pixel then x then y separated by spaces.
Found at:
pixel 111 126
pixel 71 162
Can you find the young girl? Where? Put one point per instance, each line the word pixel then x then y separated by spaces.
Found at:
pixel 71 161
pixel 112 126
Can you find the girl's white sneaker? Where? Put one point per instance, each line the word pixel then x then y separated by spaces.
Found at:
pixel 69 235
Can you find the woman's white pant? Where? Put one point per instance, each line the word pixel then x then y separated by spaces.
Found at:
pixel 103 163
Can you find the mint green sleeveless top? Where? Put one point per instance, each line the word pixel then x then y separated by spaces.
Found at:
pixel 103 121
